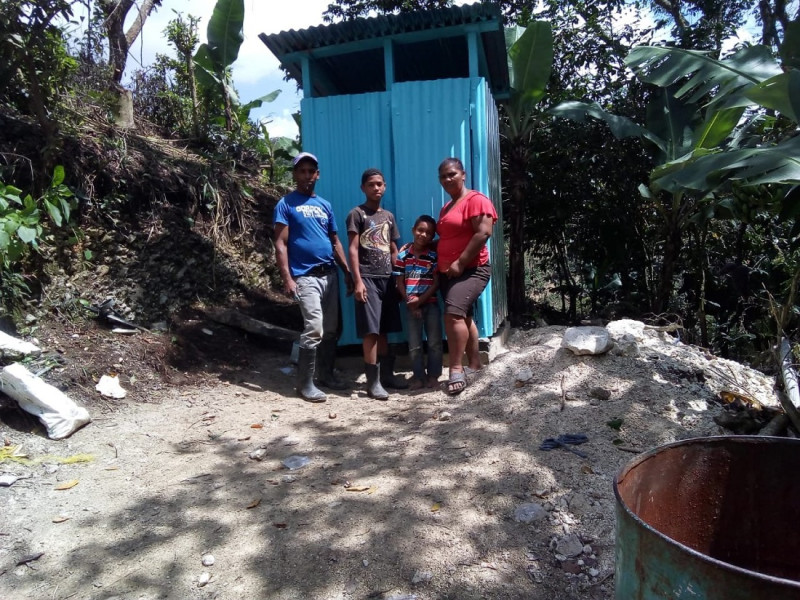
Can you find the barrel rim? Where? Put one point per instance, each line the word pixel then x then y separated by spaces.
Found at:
pixel 717 439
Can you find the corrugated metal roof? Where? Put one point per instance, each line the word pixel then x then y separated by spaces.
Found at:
pixel 348 56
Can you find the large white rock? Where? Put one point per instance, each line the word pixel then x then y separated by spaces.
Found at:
pixel 622 327
pixel 587 340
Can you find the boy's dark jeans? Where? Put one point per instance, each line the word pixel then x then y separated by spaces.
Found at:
pixel 431 321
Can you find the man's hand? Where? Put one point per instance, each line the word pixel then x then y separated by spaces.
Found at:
pixel 290 289
pixel 361 292
pixel 348 283
pixel 412 302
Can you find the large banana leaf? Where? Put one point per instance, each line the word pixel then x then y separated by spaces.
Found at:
pixel 728 79
pixel 207 75
pixel 781 93
pixel 717 126
pixel 621 127
pixel 225 31
pixel 674 121
pixel 706 170
pixel 243 112
pixel 790 48
pixel 530 57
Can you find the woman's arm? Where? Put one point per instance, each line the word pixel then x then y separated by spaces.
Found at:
pixel 482 228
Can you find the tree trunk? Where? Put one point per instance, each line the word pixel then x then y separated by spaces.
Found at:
pixel 36 101
pixel 516 263
pixel 673 243
pixel 193 88
pixel 119 41
pixel 517 185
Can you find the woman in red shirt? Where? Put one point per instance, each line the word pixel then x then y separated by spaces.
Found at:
pixel 464 226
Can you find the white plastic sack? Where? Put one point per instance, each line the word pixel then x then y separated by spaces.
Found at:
pixel 16 348
pixel 59 414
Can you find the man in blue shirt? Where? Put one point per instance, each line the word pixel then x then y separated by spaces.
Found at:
pixel 306 247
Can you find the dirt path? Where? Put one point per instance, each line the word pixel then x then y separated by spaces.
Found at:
pixel 425 496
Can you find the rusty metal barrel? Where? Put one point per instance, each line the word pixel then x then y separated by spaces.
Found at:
pixel 714 518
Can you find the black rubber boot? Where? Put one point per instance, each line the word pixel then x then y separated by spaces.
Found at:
pixel 326 376
pixel 305 376
pixel 388 378
pixel 374 387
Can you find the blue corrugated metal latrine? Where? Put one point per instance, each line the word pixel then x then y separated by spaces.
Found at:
pixel 401 93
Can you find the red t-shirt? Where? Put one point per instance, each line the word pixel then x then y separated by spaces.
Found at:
pixel 455 229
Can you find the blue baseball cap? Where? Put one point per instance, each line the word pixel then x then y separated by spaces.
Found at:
pixel 303 156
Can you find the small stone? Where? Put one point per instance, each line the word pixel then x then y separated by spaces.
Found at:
pixel 524 375
pixel 421 577
pixel 593 572
pixel 259 454
pixel 8 480
pixel 529 512
pixel 571 566
pixel 208 560
pixel 600 393
pixel 445 416
pixel 569 546
pixel 203 579
pixel 365 562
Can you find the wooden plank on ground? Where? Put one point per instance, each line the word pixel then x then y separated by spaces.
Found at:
pixel 236 319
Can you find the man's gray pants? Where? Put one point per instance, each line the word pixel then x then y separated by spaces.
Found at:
pixel 319 304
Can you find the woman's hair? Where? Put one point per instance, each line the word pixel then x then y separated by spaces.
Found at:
pixel 370 173
pixel 452 160
pixel 426 219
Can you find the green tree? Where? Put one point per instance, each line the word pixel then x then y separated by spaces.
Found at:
pixel 345 10
pixel 34 64
pixel 182 34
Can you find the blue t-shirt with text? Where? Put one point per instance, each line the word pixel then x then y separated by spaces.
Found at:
pixel 311 222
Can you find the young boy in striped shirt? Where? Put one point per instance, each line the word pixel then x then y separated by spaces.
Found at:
pixel 417 282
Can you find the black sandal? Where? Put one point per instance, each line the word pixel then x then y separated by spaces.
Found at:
pixel 456 383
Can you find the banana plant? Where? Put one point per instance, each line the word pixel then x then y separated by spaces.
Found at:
pixel 751 78
pixel 697 125
pixel 530 57
pixel 214 59
pixel 225 35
